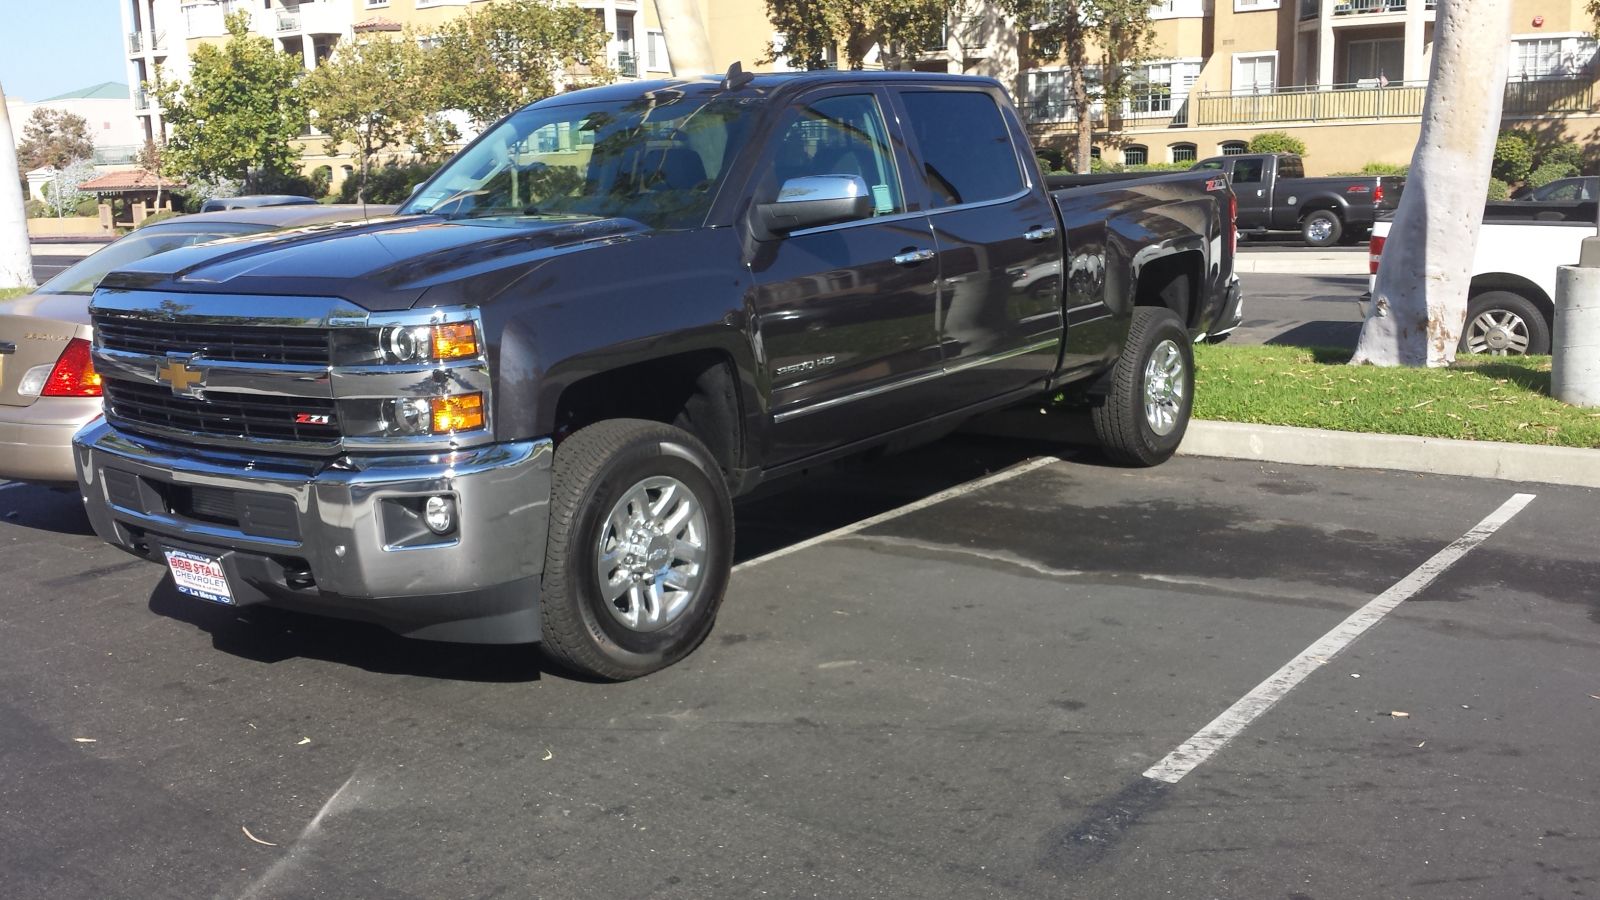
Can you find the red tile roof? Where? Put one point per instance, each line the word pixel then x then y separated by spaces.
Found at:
pixel 377 23
pixel 127 182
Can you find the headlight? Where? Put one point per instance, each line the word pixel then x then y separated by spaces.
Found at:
pixel 429 343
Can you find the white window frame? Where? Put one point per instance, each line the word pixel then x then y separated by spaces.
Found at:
pixel 1246 6
pixel 655 45
pixel 1255 55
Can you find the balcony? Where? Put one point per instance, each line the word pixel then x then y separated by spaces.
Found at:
pixel 288 22
pixel 1362 7
pixel 116 156
pixel 1396 100
pixel 141 100
pixel 627 65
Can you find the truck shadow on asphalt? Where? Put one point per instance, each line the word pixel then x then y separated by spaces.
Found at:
pixel 46 509
pixel 798 508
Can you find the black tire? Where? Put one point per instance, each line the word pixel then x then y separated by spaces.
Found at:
pixel 1504 324
pixel 594 468
pixel 1126 432
pixel 1311 228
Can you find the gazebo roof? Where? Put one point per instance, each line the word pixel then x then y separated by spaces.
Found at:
pixel 377 23
pixel 132 181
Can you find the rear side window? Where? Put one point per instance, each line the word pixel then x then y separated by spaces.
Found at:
pixel 967 154
pixel 1290 168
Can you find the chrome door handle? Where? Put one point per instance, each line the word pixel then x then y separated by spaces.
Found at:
pixel 912 257
pixel 1039 234
pixel 7 347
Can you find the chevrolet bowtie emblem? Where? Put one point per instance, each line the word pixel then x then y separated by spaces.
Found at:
pixel 177 375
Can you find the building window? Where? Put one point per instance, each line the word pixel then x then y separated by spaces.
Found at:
pixel 1183 153
pixel 1240 6
pixel 1255 73
pixel 1135 155
pixel 655 52
pixel 1094 152
pixel 1551 57
pixel 1235 148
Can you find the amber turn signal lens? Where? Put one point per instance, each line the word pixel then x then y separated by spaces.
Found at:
pixel 458 341
pixel 461 412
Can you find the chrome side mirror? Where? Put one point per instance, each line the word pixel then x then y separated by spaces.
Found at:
pixel 813 200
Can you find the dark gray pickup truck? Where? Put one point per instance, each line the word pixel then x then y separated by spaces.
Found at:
pixel 1274 194
pixel 518 410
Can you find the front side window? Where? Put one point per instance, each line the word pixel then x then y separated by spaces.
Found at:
pixel 840 135
pixel 966 150
pixel 658 160
pixel 1247 171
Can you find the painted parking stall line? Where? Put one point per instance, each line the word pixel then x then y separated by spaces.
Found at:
pixel 897 512
pixel 1216 735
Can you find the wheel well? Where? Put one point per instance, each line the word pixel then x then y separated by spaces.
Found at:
pixel 1172 281
pixel 1516 284
pixel 697 392
pixel 1319 206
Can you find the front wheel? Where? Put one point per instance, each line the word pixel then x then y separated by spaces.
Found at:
pixel 1143 416
pixel 1501 323
pixel 1321 228
pixel 639 552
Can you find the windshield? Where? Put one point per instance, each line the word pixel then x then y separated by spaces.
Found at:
pixel 82 278
pixel 658 160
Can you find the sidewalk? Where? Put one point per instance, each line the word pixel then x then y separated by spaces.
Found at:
pixel 1308 262
pixel 64 248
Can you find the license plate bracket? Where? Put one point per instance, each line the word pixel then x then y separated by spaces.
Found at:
pixel 200 576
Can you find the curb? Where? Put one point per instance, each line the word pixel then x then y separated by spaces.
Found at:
pixel 1301 263
pixel 1359 450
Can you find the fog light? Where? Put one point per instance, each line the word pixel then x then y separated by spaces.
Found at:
pixel 440 515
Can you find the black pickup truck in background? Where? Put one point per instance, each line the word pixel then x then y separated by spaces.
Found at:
pixel 1275 195
pixel 518 410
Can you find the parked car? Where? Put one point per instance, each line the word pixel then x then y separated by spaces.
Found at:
pixel 1275 195
pixel 48 384
pixel 1511 302
pixel 518 411
pixel 1585 187
pixel 254 201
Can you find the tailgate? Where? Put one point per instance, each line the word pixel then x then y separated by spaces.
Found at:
pixel 31 341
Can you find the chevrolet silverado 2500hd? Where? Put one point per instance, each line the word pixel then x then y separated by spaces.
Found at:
pixel 517 410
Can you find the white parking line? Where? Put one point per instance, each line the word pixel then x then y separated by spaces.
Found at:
pixel 924 503
pixel 1237 717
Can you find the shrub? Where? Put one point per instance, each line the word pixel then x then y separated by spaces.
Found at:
pixel 1513 156
pixel 87 206
pixel 158 217
pixel 1383 168
pixel 388 183
pixel 1499 190
pixel 35 209
pixel 1551 171
pixel 321 180
pixel 1159 167
pixel 285 183
pixel 1568 153
pixel 1277 142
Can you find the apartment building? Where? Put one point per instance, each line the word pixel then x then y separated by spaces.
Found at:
pixel 1347 77
pixel 164 34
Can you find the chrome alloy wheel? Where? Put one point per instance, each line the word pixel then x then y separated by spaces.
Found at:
pixel 1320 229
pixel 1163 388
pixel 1498 332
pixel 651 555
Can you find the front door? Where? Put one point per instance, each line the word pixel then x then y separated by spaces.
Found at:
pixel 1250 187
pixel 845 312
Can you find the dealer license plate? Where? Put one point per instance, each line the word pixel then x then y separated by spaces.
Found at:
pixel 199 576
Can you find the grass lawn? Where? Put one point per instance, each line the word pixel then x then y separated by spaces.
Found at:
pixel 1487 398
pixel 8 293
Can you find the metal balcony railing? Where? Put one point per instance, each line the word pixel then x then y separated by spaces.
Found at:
pixel 627 65
pixel 141 99
pixel 1355 7
pixel 288 22
pixel 121 155
pixel 1559 93
pixel 1395 100
pixel 135 42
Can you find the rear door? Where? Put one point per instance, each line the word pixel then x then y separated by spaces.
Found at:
pixel 845 312
pixel 999 245
pixel 1252 186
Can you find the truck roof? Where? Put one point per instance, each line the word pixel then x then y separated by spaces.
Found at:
pixel 759 84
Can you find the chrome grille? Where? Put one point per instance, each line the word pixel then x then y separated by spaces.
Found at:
pixel 222 415
pixel 232 343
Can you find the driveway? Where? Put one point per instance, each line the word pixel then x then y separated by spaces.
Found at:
pixel 957 700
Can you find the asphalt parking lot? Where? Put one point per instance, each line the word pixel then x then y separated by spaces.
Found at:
pixel 956 701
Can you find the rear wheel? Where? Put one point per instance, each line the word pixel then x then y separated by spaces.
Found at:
pixel 1501 323
pixel 640 548
pixel 1142 418
pixel 1321 228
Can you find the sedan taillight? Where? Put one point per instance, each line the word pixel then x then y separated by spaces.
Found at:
pixel 74 374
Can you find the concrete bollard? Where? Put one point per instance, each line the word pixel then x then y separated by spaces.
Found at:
pixel 1575 339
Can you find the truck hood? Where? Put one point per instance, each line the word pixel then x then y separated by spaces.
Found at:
pixel 381 265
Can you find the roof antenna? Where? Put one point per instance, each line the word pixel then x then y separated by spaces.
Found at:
pixel 737 77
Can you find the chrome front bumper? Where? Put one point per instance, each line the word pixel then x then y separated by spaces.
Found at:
pixel 330 536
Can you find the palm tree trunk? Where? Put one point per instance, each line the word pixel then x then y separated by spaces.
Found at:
pixel 16 260
pixel 688 43
pixel 1419 304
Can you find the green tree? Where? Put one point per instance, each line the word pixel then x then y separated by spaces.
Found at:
pixel 813 29
pixel 238 114
pixel 375 95
pixel 1115 34
pixel 1513 156
pixel 54 139
pixel 502 56
pixel 151 158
